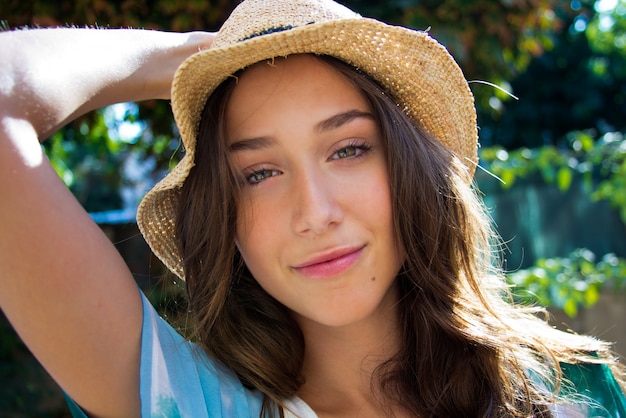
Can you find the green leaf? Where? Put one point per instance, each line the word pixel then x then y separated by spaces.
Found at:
pixel 592 295
pixel 570 308
pixel 564 178
pixel 508 177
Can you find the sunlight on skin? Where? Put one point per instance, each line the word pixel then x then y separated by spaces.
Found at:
pixel 6 85
pixel 29 151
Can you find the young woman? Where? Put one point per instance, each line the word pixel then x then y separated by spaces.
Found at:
pixel 338 262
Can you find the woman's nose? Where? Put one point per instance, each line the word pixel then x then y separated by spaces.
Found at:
pixel 316 207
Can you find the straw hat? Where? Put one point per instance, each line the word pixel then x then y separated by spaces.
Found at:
pixel 418 72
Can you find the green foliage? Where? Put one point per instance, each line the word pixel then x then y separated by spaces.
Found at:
pixel 569 283
pixel 607 32
pixel 613 166
pixel 573 282
pixel 87 160
pixel 577 85
pixel 509 166
pixel 174 15
pixel 111 149
pixel 602 163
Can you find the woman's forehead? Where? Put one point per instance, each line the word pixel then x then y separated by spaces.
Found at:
pixel 304 86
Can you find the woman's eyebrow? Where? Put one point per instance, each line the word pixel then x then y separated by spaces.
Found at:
pixel 257 143
pixel 333 122
pixel 340 119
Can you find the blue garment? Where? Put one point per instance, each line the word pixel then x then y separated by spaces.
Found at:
pixel 596 383
pixel 178 380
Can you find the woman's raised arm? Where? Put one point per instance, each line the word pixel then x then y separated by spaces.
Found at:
pixel 63 285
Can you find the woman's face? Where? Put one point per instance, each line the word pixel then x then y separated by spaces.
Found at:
pixel 314 221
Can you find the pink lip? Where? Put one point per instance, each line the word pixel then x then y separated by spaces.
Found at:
pixel 330 264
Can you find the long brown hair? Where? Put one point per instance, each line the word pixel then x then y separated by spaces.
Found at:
pixel 466 350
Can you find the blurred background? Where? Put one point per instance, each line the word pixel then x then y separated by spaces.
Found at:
pixel 549 77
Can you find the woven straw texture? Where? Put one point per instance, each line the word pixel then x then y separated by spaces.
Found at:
pixel 418 72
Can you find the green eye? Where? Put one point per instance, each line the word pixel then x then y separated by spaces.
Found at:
pixel 347 152
pixel 257 176
pixel 351 151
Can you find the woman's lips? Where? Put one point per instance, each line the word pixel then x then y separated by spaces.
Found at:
pixel 330 264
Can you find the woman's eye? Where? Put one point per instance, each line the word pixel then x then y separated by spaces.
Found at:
pixel 257 176
pixel 346 152
pixel 350 151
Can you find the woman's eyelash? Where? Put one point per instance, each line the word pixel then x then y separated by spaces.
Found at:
pixel 353 150
pixel 257 176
